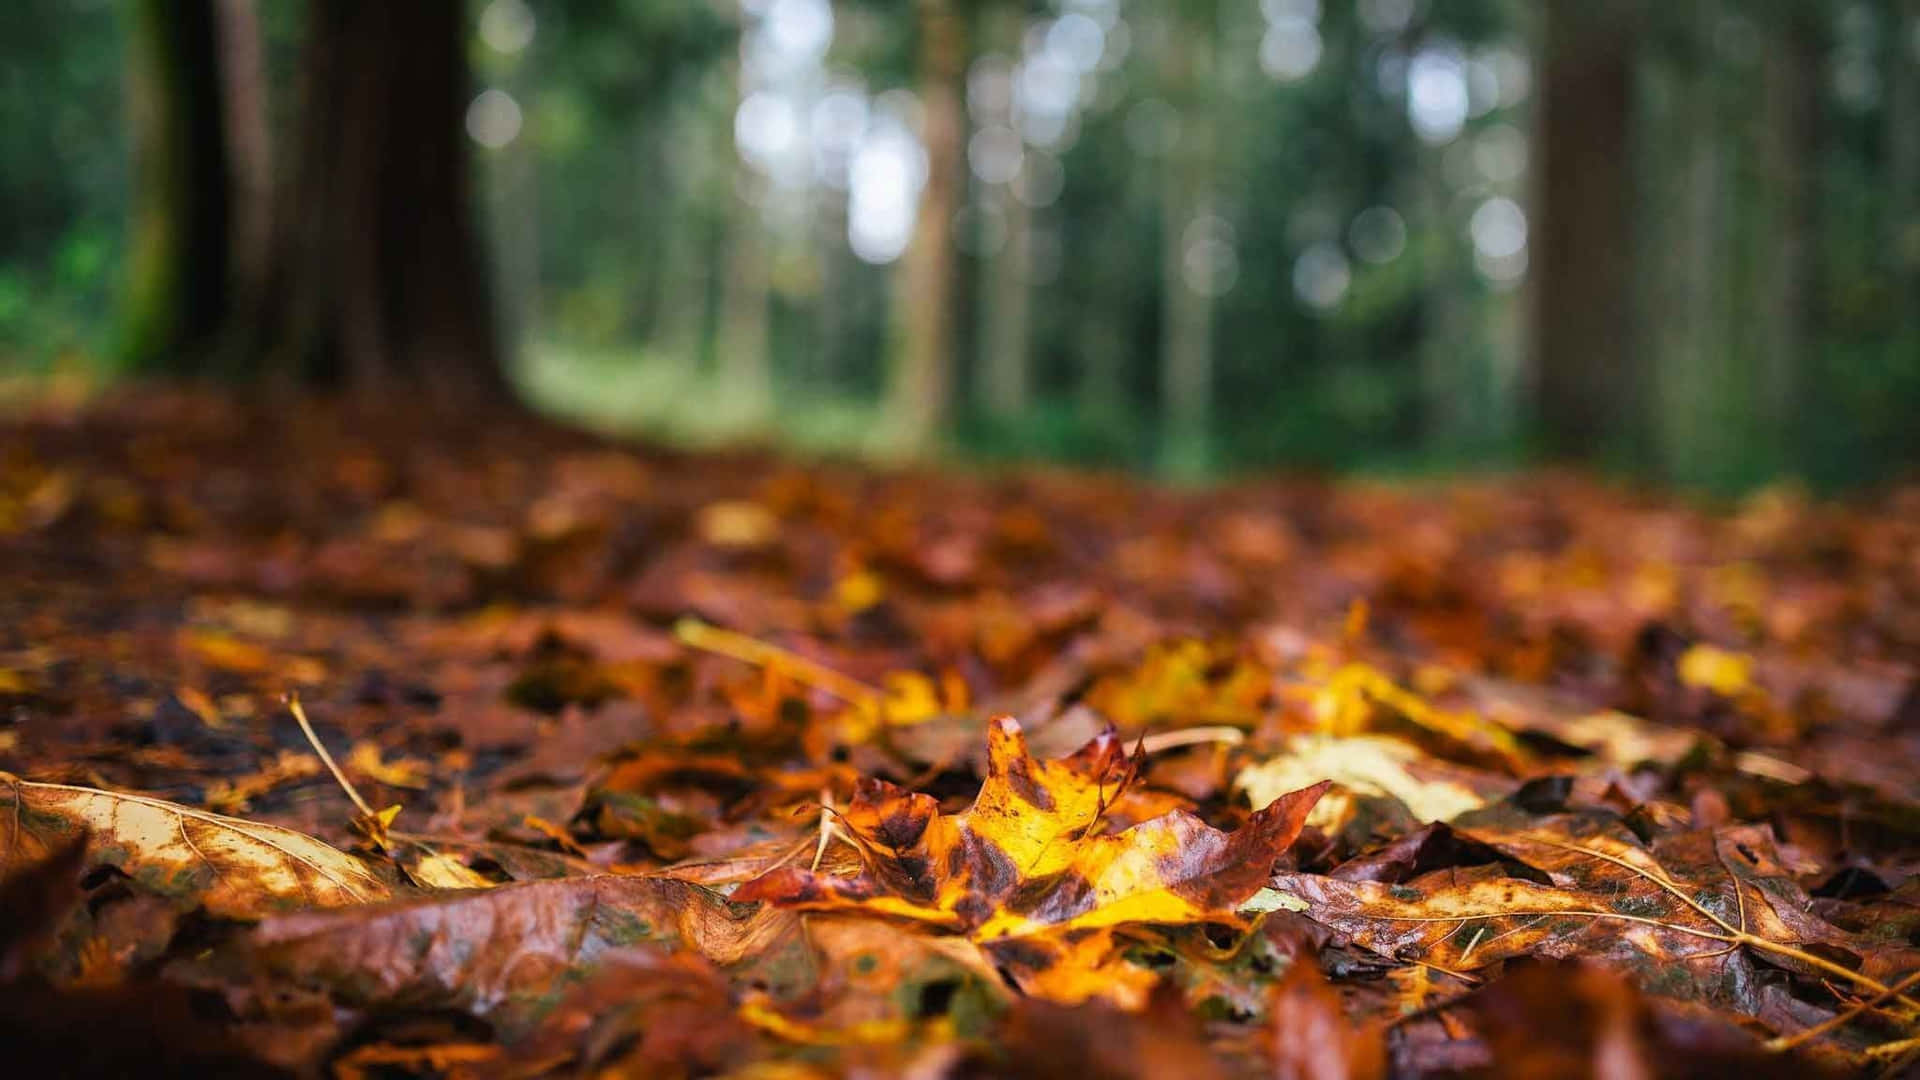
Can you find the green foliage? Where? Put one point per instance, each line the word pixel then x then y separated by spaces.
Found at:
pixel 62 178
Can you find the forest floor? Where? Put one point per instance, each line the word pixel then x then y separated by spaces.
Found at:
pixel 654 764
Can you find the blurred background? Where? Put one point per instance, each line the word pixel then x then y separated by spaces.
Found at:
pixel 1673 240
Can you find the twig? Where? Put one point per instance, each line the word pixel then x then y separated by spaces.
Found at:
pixel 299 714
pixel 705 636
pixel 1788 1042
pixel 1168 740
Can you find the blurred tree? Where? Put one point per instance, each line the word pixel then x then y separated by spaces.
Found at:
pixel 1206 235
pixel 1903 161
pixel 920 386
pixel 1185 46
pixel 378 277
pixel 1004 344
pixel 745 359
pixel 1587 378
pixel 193 175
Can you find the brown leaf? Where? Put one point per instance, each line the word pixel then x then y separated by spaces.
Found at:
pixel 1680 915
pixel 497 951
pixel 1312 1038
pixel 1582 1021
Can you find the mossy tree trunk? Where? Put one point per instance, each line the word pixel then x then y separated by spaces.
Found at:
pixel 178 298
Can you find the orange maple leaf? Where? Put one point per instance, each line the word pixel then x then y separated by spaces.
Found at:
pixel 1023 872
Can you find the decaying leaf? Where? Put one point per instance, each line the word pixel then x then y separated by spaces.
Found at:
pixel 233 868
pixel 500 952
pixel 1685 915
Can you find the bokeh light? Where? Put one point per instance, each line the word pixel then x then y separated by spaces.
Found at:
pixel 493 119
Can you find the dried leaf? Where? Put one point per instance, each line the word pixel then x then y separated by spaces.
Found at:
pixel 233 868
pixel 1365 765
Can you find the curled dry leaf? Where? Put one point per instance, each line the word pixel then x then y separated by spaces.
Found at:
pixel 234 869
pixel 1023 872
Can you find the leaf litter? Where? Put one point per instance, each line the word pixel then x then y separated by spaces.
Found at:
pixel 693 766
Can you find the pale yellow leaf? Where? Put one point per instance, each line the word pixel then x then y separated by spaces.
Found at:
pixel 233 868
pixel 1364 765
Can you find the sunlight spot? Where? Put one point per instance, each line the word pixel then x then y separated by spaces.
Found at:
pixel 884 192
pixel 1437 93
pixel 1499 231
pixel 1378 234
pixel 1077 40
pixel 1321 276
pixel 1500 153
pixel 1280 10
pixel 1290 49
pixel 800 28
pixel 994 152
pixel 507 26
pixel 493 120
pixel 1209 264
pixel 765 127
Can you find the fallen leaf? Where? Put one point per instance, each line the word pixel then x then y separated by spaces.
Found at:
pixel 1024 863
pixel 498 952
pixel 234 869
pixel 1681 915
pixel 1366 765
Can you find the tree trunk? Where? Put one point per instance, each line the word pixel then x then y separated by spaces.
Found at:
pixel 743 370
pixel 1004 362
pixel 1007 366
pixel 1186 326
pixel 1789 155
pixel 1903 164
pixel 243 87
pixel 379 284
pixel 178 296
pixel 743 349
pixel 1586 381
pixel 921 385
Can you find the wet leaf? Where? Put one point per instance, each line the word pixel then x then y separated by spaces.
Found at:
pixel 1688 915
pixel 502 951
